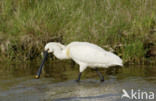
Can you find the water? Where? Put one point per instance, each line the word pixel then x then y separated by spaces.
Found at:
pixel 57 82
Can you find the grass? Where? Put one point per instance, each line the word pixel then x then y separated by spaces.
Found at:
pixel 124 25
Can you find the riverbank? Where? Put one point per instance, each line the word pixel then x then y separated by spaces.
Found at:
pixel 60 85
pixel 128 28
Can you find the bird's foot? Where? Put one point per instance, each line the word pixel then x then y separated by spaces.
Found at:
pixel 77 80
pixel 79 76
pixel 102 80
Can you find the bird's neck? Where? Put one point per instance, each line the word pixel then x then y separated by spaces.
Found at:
pixel 59 53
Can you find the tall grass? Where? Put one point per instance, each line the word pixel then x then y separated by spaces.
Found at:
pixel 29 24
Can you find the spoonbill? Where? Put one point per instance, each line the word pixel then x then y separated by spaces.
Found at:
pixel 83 53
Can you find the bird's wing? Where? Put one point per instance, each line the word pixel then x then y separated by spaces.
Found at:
pixel 88 53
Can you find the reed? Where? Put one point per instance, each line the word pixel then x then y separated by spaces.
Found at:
pixel 26 25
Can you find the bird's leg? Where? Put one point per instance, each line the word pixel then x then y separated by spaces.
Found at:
pixel 82 68
pixel 100 75
pixel 79 76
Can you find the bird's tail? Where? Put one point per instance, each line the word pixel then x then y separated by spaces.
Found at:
pixel 118 61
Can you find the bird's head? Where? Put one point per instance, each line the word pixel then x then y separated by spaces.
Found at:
pixel 49 48
pixel 52 46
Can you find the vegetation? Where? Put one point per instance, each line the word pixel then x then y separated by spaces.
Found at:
pixel 127 26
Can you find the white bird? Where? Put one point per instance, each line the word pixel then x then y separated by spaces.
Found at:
pixel 83 53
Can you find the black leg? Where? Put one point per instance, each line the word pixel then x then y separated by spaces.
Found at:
pixel 100 75
pixel 79 76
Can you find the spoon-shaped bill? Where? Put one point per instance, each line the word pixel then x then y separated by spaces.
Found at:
pixel 41 66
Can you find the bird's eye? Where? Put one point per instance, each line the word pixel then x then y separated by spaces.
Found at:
pixel 61 48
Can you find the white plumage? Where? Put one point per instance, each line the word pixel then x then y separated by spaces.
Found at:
pixel 85 54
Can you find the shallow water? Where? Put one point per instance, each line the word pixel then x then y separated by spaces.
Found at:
pixel 57 83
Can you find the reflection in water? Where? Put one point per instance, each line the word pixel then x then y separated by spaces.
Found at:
pixel 57 82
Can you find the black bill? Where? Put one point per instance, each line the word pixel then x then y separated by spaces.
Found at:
pixel 41 66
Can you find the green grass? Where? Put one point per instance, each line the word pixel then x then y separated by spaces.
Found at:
pixel 28 24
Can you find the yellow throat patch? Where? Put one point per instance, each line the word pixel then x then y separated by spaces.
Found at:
pixel 68 52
